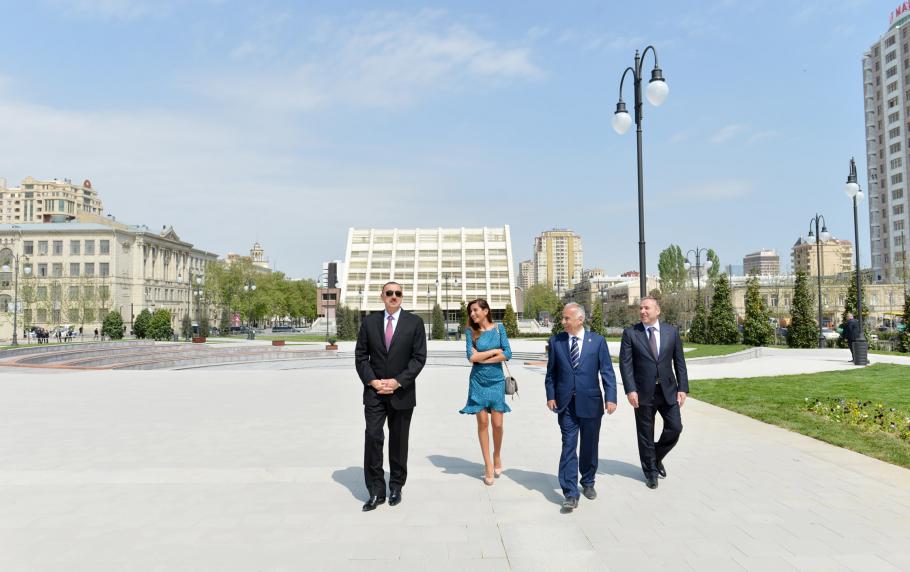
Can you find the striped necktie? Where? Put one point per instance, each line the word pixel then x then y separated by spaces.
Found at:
pixel 574 354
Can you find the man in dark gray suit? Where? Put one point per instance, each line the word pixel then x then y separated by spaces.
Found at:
pixel 654 377
pixel 851 333
pixel 391 351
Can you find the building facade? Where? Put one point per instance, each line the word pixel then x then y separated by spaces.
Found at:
pixel 761 263
pixel 558 259
pixel 886 91
pixel 40 201
pixel 72 273
pixel 442 266
pixel 525 274
pixel 836 257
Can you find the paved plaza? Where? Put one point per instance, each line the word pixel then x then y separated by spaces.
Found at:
pixel 260 468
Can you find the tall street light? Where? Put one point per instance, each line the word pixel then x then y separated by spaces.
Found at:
pixel 698 265
pixel 250 288
pixel 820 237
pixel 198 293
pixel 445 322
pixel 27 270
pixel 860 345
pixel 429 314
pixel 656 93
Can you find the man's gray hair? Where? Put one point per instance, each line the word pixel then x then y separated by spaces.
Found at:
pixel 579 307
pixel 653 299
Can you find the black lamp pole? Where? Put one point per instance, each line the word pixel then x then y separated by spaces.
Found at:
pixel 818 264
pixel 860 344
pixel 657 92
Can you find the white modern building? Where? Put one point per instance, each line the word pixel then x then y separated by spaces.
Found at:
pixel 442 266
pixel 886 91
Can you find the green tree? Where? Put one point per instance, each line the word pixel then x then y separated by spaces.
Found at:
pixel 803 331
pixel 722 319
pixel 850 304
pixel 557 319
pixel 224 324
pixel 757 328
pixel 672 268
pixel 141 324
pixel 597 320
pixel 439 327
pixel 714 271
pixel 204 330
pixel 159 327
pixel 112 327
pixel 510 321
pixel 462 317
pixel 186 326
pixel 905 335
pixel 348 323
pixel 540 298
pixel 620 315
pixel 698 331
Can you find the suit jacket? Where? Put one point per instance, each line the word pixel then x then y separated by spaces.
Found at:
pixel 640 371
pixel 402 361
pixel 563 381
pixel 851 330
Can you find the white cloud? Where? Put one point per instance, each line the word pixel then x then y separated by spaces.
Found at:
pixel 727 133
pixel 382 60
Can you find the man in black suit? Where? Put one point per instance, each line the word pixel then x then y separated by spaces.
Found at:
pixel 391 350
pixel 654 377
pixel 851 332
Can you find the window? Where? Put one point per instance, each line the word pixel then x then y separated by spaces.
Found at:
pixel 89 268
pixel 891 72
pixel 58 248
pixel 42 270
pixel 105 246
pixel 897 178
pixel 42 293
pixel 74 269
pixel 57 269
pixel 894 132
pixel 893 117
pixel 892 87
pixel 898 225
pixel 898 209
pixel 104 269
pixel 895 163
pixel 28 247
pixel 42 248
pixel 894 147
pixel 90 247
pixel 73 292
pixel 897 194
pixel 891 56
pixel 75 247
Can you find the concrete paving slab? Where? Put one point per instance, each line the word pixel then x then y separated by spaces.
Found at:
pixel 261 470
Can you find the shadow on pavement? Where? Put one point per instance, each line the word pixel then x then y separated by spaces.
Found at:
pixel 352 479
pixel 457 466
pixel 620 468
pixel 534 481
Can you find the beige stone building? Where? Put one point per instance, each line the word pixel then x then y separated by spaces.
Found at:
pixel 525 274
pixel 39 201
pixel 836 257
pixel 761 263
pixel 558 259
pixel 73 273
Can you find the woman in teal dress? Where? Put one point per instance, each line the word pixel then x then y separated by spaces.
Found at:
pixel 487 348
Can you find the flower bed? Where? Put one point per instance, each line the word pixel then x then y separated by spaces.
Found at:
pixel 864 414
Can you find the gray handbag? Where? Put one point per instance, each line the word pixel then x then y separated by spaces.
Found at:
pixel 511 382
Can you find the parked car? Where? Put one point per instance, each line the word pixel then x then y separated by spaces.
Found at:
pixel 830 334
pixel 284 330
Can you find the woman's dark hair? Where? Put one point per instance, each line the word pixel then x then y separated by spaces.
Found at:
pixel 475 327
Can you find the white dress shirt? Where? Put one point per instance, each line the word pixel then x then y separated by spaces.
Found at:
pixel 581 341
pixel 385 320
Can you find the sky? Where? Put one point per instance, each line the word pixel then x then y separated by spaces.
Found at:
pixel 289 122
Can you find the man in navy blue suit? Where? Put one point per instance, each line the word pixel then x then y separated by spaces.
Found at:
pixel 655 379
pixel 576 358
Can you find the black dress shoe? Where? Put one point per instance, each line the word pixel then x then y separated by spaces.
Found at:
pixel 589 492
pixel 394 497
pixel 373 503
pixel 651 482
pixel 661 471
pixel 570 504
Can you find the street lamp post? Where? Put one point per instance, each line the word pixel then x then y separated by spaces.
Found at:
pixel 250 287
pixel 656 93
pixel 688 265
pixel 198 293
pixel 860 345
pixel 429 314
pixel 27 270
pixel 820 237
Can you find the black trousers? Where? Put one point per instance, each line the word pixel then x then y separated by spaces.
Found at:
pixel 649 452
pixel 399 425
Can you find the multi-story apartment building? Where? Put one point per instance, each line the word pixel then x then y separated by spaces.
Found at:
pixel 886 91
pixel 558 259
pixel 761 263
pixel 35 201
pixel 525 274
pixel 442 266
pixel 836 257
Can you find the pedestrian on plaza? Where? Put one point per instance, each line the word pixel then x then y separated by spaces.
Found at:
pixel 487 348
pixel 851 332
pixel 654 377
pixel 391 351
pixel 96 334
pixel 578 364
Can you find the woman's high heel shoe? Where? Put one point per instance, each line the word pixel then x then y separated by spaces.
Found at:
pixel 497 472
pixel 488 481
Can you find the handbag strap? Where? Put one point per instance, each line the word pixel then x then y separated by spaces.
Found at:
pixel 505 363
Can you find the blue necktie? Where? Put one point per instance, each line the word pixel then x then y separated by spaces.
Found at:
pixel 574 354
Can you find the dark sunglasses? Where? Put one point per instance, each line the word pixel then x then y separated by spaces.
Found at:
pixel 390 293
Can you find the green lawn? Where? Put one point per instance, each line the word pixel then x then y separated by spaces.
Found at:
pixel 295 337
pixel 705 350
pixel 781 401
